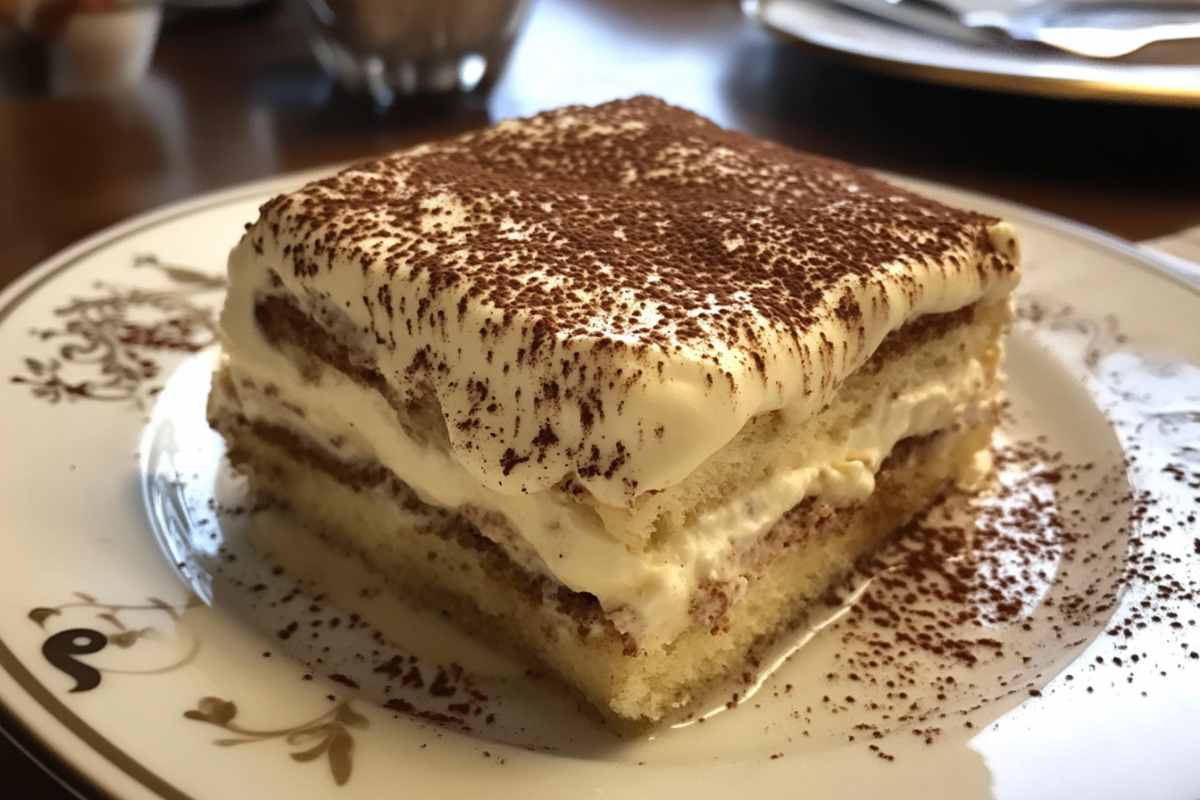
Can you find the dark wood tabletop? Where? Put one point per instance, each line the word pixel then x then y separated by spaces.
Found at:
pixel 232 97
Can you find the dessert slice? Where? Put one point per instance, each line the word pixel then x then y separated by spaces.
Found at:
pixel 617 387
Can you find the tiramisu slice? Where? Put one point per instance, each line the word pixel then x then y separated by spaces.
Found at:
pixel 614 385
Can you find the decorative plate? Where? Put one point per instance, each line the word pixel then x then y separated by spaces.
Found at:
pixel 159 631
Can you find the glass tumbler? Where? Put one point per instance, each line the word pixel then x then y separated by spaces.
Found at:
pixel 390 48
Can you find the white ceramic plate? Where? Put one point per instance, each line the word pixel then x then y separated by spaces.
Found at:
pixel 146 643
pixel 885 47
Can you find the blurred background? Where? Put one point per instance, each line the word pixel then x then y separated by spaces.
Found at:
pixel 112 107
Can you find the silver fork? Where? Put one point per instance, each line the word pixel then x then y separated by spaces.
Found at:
pixel 1095 30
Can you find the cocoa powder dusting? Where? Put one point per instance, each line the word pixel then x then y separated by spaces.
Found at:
pixel 974 602
pixel 633 229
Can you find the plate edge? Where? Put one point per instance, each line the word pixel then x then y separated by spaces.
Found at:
pixel 1037 86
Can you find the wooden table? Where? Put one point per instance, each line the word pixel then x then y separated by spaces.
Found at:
pixel 232 98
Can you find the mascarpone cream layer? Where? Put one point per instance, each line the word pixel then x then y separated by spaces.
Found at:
pixel 649 593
